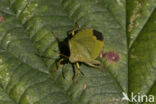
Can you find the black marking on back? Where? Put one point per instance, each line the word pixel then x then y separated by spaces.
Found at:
pixel 64 45
pixel 76 31
pixel 98 35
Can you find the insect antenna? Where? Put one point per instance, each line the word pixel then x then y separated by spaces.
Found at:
pixel 52 57
pixel 47 57
pixel 82 73
pixel 78 26
pixel 56 37
pixel 61 54
pixel 63 46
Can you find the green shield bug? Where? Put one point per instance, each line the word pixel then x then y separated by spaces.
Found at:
pixel 84 46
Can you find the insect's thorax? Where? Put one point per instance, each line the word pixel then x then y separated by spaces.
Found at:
pixel 85 46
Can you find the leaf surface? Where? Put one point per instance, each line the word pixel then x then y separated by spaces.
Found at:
pixel 27 76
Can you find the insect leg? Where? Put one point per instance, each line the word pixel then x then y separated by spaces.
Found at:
pixel 92 65
pixel 78 26
pixel 56 37
pixel 77 72
pixel 73 32
pixel 78 67
pixel 59 62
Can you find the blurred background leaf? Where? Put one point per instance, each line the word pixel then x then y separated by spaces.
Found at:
pixel 141 32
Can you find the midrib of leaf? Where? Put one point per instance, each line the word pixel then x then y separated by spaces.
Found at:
pixel 138 12
pixel 147 30
pixel 139 33
pixel 131 45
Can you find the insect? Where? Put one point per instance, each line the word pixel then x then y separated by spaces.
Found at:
pixel 84 46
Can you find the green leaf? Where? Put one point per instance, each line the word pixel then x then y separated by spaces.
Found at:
pixel 28 76
pixel 142 58
pixel 4 98
pixel 141 30
pixel 138 13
